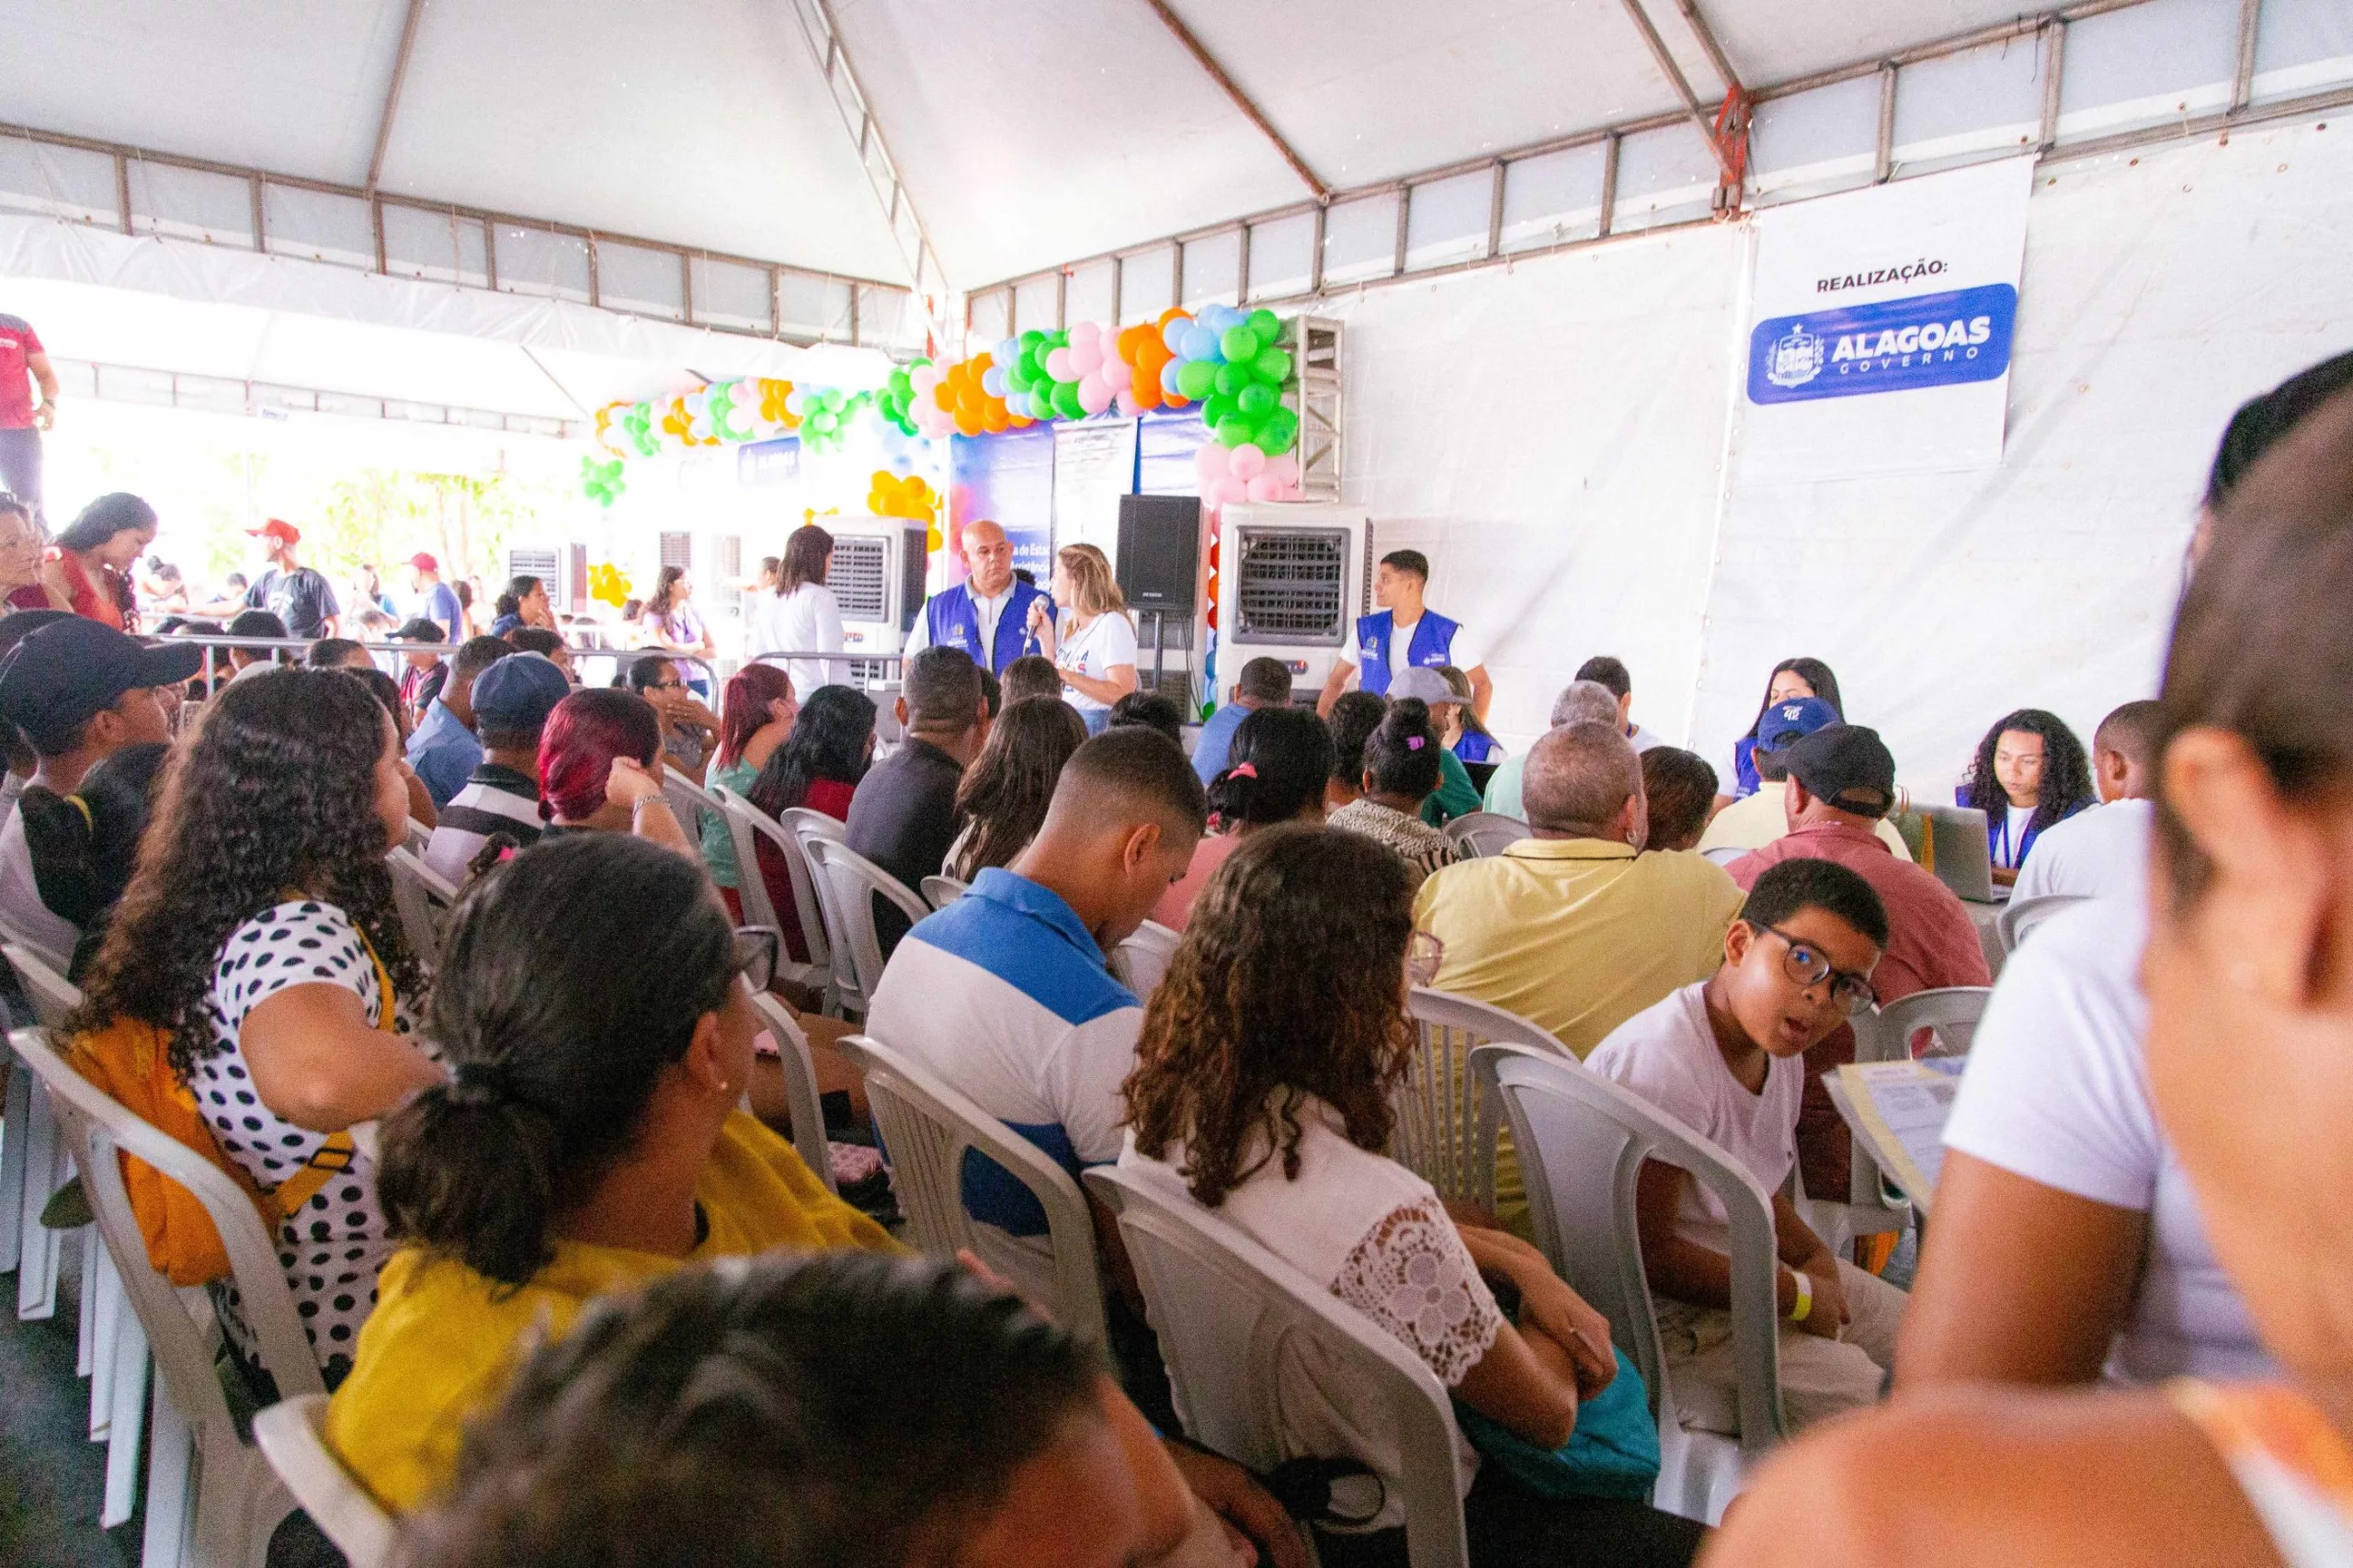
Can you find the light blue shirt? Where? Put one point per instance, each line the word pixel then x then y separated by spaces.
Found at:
pixel 1216 744
pixel 444 753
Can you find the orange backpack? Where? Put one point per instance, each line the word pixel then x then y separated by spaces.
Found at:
pixel 131 1062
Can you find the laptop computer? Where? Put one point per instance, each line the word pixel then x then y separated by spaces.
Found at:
pixel 1960 851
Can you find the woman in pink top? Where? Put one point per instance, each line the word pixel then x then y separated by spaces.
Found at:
pixel 1275 773
pixel 89 571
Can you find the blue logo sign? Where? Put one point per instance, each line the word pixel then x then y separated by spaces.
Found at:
pixel 1931 340
pixel 768 463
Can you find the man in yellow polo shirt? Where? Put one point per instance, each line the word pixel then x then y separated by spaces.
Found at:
pixel 1578 928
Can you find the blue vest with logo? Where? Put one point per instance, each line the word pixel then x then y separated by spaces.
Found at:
pixel 955 622
pixel 1433 640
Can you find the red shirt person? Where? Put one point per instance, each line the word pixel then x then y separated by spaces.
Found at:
pixel 24 363
pixel 1842 781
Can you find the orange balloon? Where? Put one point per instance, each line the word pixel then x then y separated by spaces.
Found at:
pixel 977 364
pixel 995 419
pixel 944 394
pixel 1170 315
pixel 967 424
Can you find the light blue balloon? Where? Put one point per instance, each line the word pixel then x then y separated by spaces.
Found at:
pixel 1006 353
pixel 992 381
pixel 1220 318
pixel 1200 343
pixel 1168 378
pixel 1173 335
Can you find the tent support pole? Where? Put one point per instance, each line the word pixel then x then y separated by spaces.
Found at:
pixel 1250 111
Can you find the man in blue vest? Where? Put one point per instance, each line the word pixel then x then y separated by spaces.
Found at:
pixel 987 614
pixel 1404 635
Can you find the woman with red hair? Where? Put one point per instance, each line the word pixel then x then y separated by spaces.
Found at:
pixel 600 768
pixel 757 712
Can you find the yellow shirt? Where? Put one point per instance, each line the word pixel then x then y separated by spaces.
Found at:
pixel 1575 934
pixel 1754 823
pixel 444 1340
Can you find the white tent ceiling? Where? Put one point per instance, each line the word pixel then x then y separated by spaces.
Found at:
pixel 1028 131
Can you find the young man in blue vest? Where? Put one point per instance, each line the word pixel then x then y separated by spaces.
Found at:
pixel 1402 635
pixel 987 614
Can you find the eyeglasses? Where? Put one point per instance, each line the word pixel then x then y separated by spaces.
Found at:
pixel 756 955
pixel 1808 966
pixel 1424 955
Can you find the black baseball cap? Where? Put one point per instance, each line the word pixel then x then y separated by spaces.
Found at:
pixel 1846 766
pixel 70 671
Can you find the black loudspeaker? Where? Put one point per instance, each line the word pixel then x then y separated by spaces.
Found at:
pixel 1160 546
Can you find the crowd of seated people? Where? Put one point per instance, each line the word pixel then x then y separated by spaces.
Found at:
pixel 574 1282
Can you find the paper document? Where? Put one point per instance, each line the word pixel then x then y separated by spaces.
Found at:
pixel 1898 1110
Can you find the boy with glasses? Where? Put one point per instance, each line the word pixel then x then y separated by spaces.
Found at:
pixel 1724 1058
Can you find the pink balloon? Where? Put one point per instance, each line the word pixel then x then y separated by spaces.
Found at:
pixel 1058 365
pixel 1284 467
pixel 1085 357
pixel 1093 395
pixel 1247 462
pixel 1087 335
pixel 1128 404
pixel 1210 463
pixel 923 378
pixel 1232 489
pixel 1265 489
pixel 1117 374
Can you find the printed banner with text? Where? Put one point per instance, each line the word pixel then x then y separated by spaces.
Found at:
pixel 1883 323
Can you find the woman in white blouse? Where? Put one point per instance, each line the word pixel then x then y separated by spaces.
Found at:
pixel 1095 645
pixel 802 614
pixel 1264 1078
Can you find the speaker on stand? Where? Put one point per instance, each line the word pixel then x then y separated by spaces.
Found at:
pixel 1159 573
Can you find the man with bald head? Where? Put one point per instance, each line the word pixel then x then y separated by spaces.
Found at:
pixel 1004 992
pixel 987 614
pixel 1579 927
pixel 1580 701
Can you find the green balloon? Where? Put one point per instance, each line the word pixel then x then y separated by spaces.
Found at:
pixel 1256 400
pixel 1197 378
pixel 1231 379
pixel 1218 410
pixel 1267 324
pixel 1274 438
pixel 821 422
pixel 1017 377
pixel 1066 402
pixel 1234 432
pixel 1272 366
pixel 1032 340
pixel 1238 345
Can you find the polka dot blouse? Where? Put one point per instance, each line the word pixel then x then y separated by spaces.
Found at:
pixel 333 1249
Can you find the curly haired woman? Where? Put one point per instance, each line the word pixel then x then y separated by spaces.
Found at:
pixel 1263 1081
pixel 2030 772
pixel 258 933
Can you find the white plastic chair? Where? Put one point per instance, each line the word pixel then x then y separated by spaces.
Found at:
pixel 1581 1142
pixel 928 1130
pixel 292 1437
pixel 1228 1313
pixel 801 1093
pixel 940 892
pixel 2021 915
pixel 1140 961
pixel 688 801
pixel 210 1496
pixel 1485 833
pixel 802 820
pixel 848 884
pixel 1446 1129
pixel 1884 1034
pixel 424 899
pixel 747 826
pixel 419 836
pixel 33 1161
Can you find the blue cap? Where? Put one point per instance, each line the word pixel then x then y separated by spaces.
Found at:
pixel 516 694
pixel 70 670
pixel 1780 723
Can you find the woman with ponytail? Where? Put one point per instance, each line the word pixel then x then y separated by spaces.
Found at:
pixel 589 1138
pixel 1403 764
pixel 756 710
pixel 600 768
pixel 1277 767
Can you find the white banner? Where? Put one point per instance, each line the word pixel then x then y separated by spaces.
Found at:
pixel 1094 464
pixel 1882 324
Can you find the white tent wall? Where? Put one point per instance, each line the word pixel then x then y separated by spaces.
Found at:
pixel 1556 435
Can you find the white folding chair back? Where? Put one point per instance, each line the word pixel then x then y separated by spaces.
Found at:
pixel 1446 1127
pixel 930 1134
pixel 423 898
pixel 747 827
pixel 419 836
pixel 800 1094
pixel 1951 1011
pixel 802 821
pixel 53 995
pixel 688 801
pixel 1229 1312
pixel 1143 959
pixel 1581 1142
pixel 1477 834
pixel 940 892
pixel 292 1436
pixel 2021 915
pixel 210 1496
pixel 34 1159
pixel 847 885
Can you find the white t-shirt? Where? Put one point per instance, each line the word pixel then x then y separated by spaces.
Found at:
pixel 2008 842
pixel 2057 1091
pixel 1376 1235
pixel 809 616
pixel 1463 652
pixel 1109 639
pixel 2101 853
pixel 1668 1053
pixel 21 897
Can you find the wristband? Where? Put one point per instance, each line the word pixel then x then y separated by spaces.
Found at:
pixel 1803 1309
